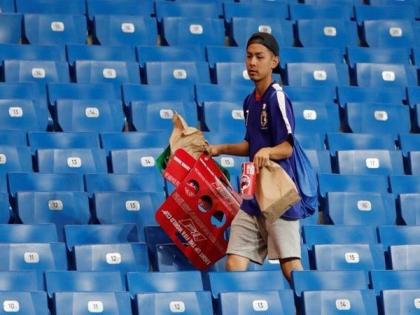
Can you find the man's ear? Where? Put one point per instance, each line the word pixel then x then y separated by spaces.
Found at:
pixel 275 62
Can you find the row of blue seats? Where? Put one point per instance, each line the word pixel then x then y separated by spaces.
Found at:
pixel 132 31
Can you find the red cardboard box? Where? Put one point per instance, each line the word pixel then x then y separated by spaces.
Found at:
pixel 197 213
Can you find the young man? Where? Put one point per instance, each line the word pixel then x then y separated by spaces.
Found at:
pixel 269 136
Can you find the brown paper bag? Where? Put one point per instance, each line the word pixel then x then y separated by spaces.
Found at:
pixel 275 191
pixel 188 138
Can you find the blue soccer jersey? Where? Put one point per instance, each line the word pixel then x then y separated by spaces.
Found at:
pixel 270 121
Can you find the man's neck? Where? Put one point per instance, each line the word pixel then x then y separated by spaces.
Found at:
pixel 262 85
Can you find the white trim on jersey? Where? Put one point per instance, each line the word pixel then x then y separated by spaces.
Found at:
pixel 281 99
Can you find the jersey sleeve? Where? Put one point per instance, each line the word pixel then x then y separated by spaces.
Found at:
pixel 282 118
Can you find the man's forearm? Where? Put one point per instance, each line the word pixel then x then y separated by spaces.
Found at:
pixel 281 151
pixel 239 149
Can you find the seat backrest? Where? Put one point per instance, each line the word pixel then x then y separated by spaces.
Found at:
pixel 178 73
pixel 408 142
pixel 393 279
pixel 189 53
pixel 4 208
pixel 310 93
pixel 224 116
pixel 7 6
pixel 399 301
pixel 13 137
pixel 122 7
pixel 51 7
pixel 63 140
pixel 311 117
pixel 21 281
pixel 23 114
pixel 213 92
pixel 134 140
pixel 341 11
pixel 10 28
pixel 134 161
pixel 383 12
pixel 320 160
pixel 404 257
pixel 384 75
pixel 316 74
pixel 15 159
pixel 116 72
pixel 156 93
pixel 99 53
pixel 179 9
pixel 224 54
pixel 28 303
pixel 310 54
pixel 231 73
pixel 28 233
pixel 32 52
pixel 388 33
pixel 378 55
pixel 398 235
pixel 409 206
pixel 405 184
pixel 273 9
pixel 356 94
pixel 414 162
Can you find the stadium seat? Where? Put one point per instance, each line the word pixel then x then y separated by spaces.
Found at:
pixel 312 141
pixel 51 7
pixel 73 303
pixel 232 163
pixel 124 30
pixel 416 120
pixel 399 301
pixel 122 182
pixel 26 303
pixel 15 159
pixel 217 137
pixel 384 75
pixel 111 257
pixel 44 182
pixel 33 256
pixel 360 208
pixel 316 74
pixel 115 72
pixel 413 96
pixel 55 29
pixel 414 163
pixel 83 281
pixel 338 234
pixel 13 137
pixel 224 116
pixel 232 73
pixel 10 28
pixel 247 303
pixel 405 184
pixel 21 281
pixel 409 208
pixel 92 115
pixel 366 257
pixel 310 93
pixel 153 282
pixel 415 56
pixel 23 114
pixel 135 161
pixel 99 53
pixel 393 279
pixel 179 73
pixel 358 141
pixel 188 53
pixel 224 54
pixel 80 161
pixel 377 55
pixel 244 27
pixel 213 92
pixel 134 140
pixel 180 31
pixel 388 33
pixel 377 118
pixel 310 54
pixel 28 233
pixel 60 208
pixel 154 236
pixel 404 257
pixel 91 234
pixel 63 140
pixel 383 12
pixel 353 94
pixel 336 302
pixel 169 258
pixel 306 280
pixel 179 9
pixel 351 183
pixel 31 52
pixel 327 33
pixel 153 116
pixel 166 303
pixel 122 7
pixel 312 117
pixel 262 9
pixel 398 235
pixel 320 160
pixel 392 2
pixel 7 6
pixel 340 11
pixel 5 208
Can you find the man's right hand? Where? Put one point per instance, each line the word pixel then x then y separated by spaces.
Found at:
pixel 214 149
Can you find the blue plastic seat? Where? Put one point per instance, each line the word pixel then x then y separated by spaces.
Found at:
pixel 99 53
pixel 83 281
pixel 154 116
pixel 63 140
pixel 415 56
pixel 409 207
pixel 55 29
pixel 377 118
pixel 398 235
pixel 10 28
pixel 51 7
pixel 414 162
pixel 358 141
pixel 21 281
pixel 327 33
pixel 384 75
pixel 224 116
pixel 314 141
pixel 399 301
pixel 356 94
pixel 60 208
pixel 180 31
pixel 122 7
pixel 23 114
pixel 328 280
pixel 392 279
pixel 111 257
pixel 135 161
pixel 80 161
pixel 224 54
pixel 134 140
pixel 44 182
pixel 124 30
pixel 264 9
pixel 33 256
pixel 383 12
pixel 389 33
pixel 341 11
pixel 7 6
pixel 92 115
pixel 248 303
pixel 360 208
pixel 188 53
pixel 336 302
pixel 228 137
pixel 90 234
pixel 316 74
pixel 15 159
pixel 377 55
pixel 320 160
pixel 116 72
pixel 413 95
pixel 348 257
pixel 27 303
pixel 232 163
pixel 4 208
pixel 122 182
pixel 311 117
pixel 155 236
pixel 338 234
pixel 232 73
pixel 178 73
pixel 351 183
pixel 167 303
pixel 244 27
pixel 13 137
pixel 416 122
pixel 28 233
pixel 405 257
pixel 169 258
pixel 179 9
pixel 153 282
pixel 73 303
pixel 405 184
pixel 393 2
pixel 310 54
pixel 32 52
pixel 310 93
pixel 212 92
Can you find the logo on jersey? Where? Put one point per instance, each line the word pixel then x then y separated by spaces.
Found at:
pixel 264 117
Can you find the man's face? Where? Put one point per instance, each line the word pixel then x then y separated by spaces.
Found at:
pixel 260 62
